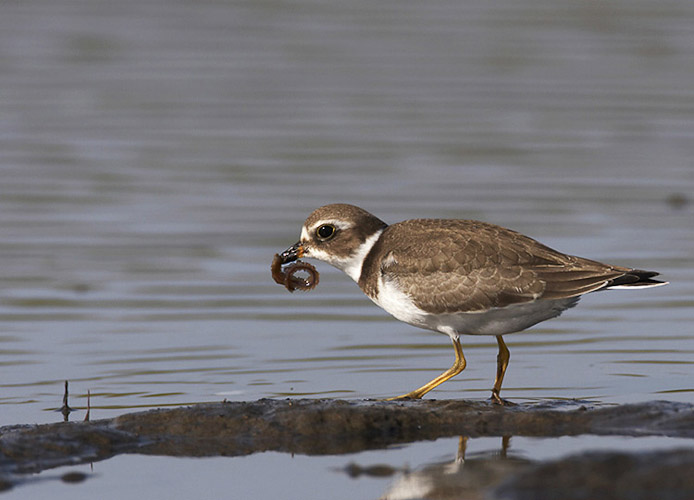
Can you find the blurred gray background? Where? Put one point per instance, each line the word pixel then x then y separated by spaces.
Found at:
pixel 155 154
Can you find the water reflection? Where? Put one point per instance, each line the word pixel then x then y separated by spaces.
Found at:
pixel 463 477
pixel 560 468
pixel 428 469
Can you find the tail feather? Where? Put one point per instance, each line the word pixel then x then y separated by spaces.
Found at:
pixel 635 278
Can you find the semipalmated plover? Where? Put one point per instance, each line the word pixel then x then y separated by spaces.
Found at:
pixel 456 276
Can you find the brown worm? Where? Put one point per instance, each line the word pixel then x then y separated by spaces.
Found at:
pixel 286 276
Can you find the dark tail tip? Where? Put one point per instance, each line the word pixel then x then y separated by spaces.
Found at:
pixel 637 278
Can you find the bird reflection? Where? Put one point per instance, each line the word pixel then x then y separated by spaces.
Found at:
pixel 461 478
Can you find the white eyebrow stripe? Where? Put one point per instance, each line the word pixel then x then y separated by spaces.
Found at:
pixel 339 224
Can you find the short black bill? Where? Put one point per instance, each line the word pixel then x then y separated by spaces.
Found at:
pixel 292 253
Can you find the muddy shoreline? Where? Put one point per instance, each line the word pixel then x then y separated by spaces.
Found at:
pixel 318 427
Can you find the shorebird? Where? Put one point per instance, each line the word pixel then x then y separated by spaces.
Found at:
pixel 456 277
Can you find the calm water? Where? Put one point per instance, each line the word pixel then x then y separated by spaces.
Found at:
pixel 154 156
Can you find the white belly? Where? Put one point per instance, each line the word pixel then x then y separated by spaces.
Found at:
pixel 497 321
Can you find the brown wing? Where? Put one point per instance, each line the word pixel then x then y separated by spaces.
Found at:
pixel 475 266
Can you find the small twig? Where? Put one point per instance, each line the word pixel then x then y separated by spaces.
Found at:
pixel 65 409
pixel 89 406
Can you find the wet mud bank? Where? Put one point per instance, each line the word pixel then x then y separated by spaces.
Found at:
pixel 317 427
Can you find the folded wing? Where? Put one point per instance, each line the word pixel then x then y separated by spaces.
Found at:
pixel 477 266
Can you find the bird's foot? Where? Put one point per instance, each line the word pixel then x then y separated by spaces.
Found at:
pixel 410 396
pixel 497 400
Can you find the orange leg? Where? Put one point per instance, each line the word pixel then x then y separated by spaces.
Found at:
pixel 458 366
pixel 501 364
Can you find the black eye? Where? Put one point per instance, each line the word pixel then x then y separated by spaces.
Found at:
pixel 325 231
